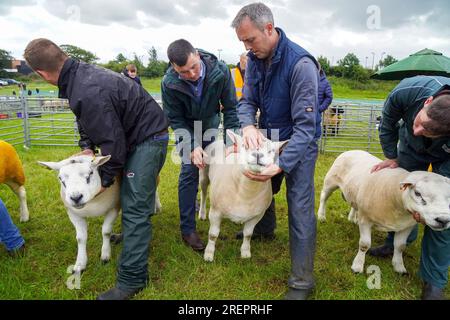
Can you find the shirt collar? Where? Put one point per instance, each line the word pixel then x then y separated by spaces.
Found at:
pixel 64 77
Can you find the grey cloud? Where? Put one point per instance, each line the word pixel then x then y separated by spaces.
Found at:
pixel 5 5
pixel 157 12
pixel 394 13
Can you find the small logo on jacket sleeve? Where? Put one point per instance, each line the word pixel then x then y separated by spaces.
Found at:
pixel 309 109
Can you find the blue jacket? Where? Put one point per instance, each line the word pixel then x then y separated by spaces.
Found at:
pixel 286 95
pixel 325 93
pixel 325 99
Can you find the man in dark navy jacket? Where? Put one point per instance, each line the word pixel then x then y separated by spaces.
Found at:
pixel 124 121
pixel 282 83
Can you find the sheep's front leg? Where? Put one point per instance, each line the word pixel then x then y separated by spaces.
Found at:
pixel 204 183
pixel 247 237
pixel 106 233
pixel 80 225
pixel 400 239
pixel 364 245
pixel 215 218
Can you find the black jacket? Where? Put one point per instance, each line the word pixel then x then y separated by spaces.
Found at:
pixel 112 112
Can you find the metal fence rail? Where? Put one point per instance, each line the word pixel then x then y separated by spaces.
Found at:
pixel 348 126
pixel 43 121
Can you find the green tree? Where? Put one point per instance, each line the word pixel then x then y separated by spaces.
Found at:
pixel 155 68
pixel 387 61
pixel 5 59
pixel 325 64
pixel 350 67
pixel 79 53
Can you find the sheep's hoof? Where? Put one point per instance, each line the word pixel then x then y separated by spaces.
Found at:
pixel 246 255
pixel 208 257
pixel 357 269
pixel 105 261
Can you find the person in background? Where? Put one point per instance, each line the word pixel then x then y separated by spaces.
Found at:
pixel 238 74
pixel 325 97
pixel 130 71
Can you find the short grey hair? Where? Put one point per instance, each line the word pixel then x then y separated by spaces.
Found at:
pixel 259 14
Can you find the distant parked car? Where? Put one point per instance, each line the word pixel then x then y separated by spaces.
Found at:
pixel 3 83
pixel 12 81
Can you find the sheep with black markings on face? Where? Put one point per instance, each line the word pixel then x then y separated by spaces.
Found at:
pixel 387 200
pixel 80 187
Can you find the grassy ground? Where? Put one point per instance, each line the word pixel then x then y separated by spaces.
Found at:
pixel 350 89
pixel 176 271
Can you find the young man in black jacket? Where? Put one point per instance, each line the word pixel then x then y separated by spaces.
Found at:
pixel 124 121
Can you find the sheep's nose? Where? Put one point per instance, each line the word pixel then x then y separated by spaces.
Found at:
pixel 258 155
pixel 77 198
pixel 443 221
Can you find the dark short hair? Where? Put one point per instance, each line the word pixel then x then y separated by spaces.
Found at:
pixel 179 52
pixel 43 54
pixel 439 113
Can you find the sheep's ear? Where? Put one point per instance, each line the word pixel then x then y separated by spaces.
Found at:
pixel 235 138
pixel 98 161
pixel 411 180
pixel 51 165
pixel 405 185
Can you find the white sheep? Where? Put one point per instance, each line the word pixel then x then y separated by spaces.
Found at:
pixel 12 174
pixel 80 187
pixel 387 200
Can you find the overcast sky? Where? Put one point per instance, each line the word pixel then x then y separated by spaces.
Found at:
pixel 331 28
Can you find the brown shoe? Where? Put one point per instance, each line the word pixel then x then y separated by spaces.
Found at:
pixel 194 241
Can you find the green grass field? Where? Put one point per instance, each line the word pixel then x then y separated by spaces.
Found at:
pixel 176 271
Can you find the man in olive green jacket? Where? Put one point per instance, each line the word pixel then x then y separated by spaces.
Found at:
pixel 195 90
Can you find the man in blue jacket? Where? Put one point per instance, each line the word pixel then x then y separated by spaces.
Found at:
pixel 282 82
pixel 414 133
pixel 325 96
pixel 194 90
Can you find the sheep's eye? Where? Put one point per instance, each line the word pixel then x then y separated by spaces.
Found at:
pixel 63 183
pixel 418 195
pixel 88 179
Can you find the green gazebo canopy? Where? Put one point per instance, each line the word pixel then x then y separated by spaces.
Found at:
pixel 425 62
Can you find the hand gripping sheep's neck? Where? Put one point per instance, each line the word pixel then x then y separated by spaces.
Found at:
pixel 80 187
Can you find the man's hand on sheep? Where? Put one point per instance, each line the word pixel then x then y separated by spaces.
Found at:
pixel 267 174
pixel 198 157
pixel 253 139
pixel 85 152
pixel 389 163
pixel 418 218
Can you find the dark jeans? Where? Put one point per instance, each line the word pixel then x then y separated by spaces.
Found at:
pixel 9 234
pixel 137 196
pixel 187 193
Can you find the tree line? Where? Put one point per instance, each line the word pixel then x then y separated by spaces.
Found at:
pixel 349 67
